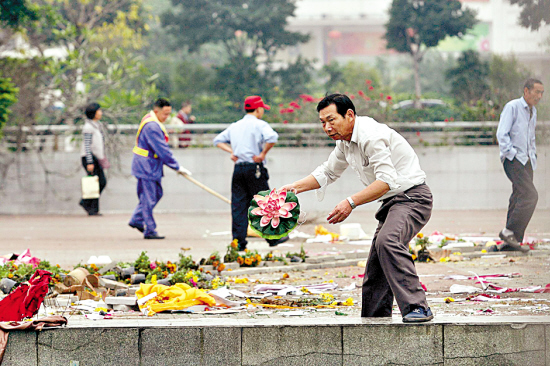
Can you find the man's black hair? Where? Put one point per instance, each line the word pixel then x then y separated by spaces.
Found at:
pixel 341 101
pixel 161 103
pixel 250 110
pixel 91 110
pixel 530 83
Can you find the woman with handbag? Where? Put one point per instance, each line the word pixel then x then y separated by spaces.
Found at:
pixel 93 155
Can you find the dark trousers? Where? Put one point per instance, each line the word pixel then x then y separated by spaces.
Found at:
pixel 92 205
pixel 390 269
pixel 149 193
pixel 523 199
pixel 244 185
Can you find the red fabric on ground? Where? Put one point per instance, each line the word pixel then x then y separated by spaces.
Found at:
pixel 25 301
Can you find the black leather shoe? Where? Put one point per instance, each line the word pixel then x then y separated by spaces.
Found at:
pixel 138 228
pixel 153 237
pixel 418 315
pixel 511 244
pixel 94 214
pixel 274 243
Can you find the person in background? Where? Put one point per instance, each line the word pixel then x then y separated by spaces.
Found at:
pixel 93 155
pixel 151 153
pixel 184 115
pixel 518 154
pixel 248 141
pixel 390 170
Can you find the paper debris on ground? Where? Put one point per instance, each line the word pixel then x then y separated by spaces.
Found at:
pixel 463 289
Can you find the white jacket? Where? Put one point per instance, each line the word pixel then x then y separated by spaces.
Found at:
pixel 93 142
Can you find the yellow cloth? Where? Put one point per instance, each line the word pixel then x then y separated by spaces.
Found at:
pixel 176 297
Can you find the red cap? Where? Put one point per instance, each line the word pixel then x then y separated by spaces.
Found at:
pixel 255 102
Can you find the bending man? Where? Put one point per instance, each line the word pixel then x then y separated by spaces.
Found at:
pixel 389 168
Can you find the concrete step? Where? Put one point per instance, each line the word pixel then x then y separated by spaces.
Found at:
pixel 296 341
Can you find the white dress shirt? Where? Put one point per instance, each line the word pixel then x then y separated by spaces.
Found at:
pixel 375 152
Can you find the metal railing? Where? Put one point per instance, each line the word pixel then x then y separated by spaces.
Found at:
pixel 67 138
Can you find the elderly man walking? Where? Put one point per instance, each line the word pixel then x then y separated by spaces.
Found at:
pixel 518 153
pixel 389 168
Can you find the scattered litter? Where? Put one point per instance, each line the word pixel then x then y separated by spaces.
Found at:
pixel 282 290
pixel 353 231
pixel 351 287
pixel 463 289
pixel 459 245
pixel 298 234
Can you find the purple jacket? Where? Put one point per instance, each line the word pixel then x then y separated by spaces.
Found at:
pixel 153 140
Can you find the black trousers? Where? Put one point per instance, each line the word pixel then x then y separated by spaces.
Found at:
pixel 244 185
pixel 523 199
pixel 390 269
pixel 92 205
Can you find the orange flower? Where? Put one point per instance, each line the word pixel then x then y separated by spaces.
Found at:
pixel 221 267
pixel 234 243
pixel 240 260
pixel 10 275
pixel 246 250
pixel 258 257
pixel 248 261
pixel 286 275
pixel 215 263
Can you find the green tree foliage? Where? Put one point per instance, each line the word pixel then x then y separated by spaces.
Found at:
pixel 534 13
pixel 250 31
pixel 416 25
pixel 98 40
pixel 242 26
pixel 294 80
pixel 469 79
pixel 350 78
pixel 14 13
pixel 507 77
pixel 8 96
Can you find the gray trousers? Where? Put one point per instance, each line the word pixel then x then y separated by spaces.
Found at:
pixel 390 269
pixel 523 199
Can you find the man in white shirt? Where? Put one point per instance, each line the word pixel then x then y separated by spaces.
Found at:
pixel 389 168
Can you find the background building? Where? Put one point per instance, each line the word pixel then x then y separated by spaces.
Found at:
pixel 352 30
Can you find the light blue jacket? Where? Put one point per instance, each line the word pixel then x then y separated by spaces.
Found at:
pixel 516 132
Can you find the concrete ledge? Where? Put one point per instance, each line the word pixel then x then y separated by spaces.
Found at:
pixel 296 341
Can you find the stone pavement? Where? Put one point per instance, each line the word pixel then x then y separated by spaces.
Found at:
pixel 70 239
